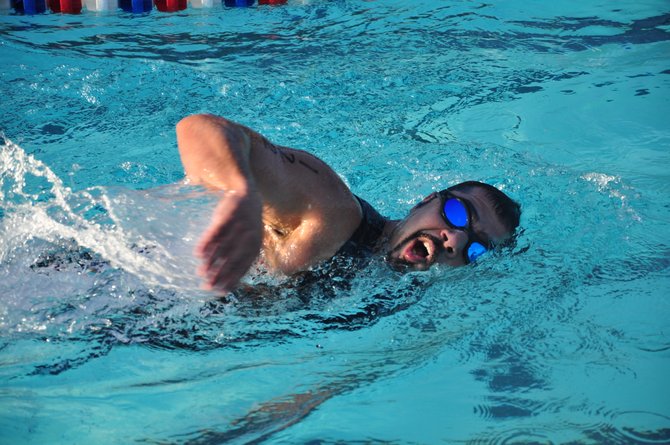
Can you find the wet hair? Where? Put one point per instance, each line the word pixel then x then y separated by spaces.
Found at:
pixel 507 210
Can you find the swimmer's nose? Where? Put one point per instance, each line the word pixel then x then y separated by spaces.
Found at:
pixel 448 243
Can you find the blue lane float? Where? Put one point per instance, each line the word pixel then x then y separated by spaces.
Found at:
pixel 238 2
pixel 136 6
pixel 29 7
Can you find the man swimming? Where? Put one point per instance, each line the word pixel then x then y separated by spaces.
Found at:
pixel 292 207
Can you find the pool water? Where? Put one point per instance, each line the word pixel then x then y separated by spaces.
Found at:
pixel 106 337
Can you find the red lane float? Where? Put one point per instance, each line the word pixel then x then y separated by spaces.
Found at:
pixel 65 6
pixel 170 5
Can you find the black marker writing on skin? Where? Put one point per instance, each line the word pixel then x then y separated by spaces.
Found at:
pixel 309 166
pixel 288 157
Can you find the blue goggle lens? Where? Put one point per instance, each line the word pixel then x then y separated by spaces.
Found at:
pixel 456 213
pixel 475 251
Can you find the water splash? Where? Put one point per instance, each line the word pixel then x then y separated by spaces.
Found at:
pixel 149 234
pixel 72 263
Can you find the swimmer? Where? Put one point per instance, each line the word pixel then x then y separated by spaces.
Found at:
pixel 292 207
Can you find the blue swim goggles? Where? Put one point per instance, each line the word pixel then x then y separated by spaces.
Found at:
pixel 456 213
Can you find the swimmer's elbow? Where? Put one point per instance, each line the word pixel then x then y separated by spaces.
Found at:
pixel 200 131
pixel 195 125
pixel 190 123
pixel 213 151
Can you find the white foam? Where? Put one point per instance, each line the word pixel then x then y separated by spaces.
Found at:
pixel 613 187
pixel 149 234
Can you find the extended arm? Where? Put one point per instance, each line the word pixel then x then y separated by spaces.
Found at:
pixel 286 199
pixel 215 153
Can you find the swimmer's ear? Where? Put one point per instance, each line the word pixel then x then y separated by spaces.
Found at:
pixel 425 200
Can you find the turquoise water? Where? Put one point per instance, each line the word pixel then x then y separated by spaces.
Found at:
pixel 105 336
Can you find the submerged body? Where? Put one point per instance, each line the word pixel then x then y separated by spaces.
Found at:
pixel 294 208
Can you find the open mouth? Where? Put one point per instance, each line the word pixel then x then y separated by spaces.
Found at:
pixel 420 250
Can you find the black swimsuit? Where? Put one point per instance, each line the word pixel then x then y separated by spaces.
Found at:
pixel 366 237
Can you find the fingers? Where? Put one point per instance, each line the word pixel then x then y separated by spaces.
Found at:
pixel 222 225
pixel 231 243
pixel 227 252
pixel 224 275
pixel 211 239
pixel 225 266
pixel 217 245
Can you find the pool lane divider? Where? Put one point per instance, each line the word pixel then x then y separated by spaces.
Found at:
pixel 66 6
pixel 101 5
pixel 136 6
pixel 245 3
pixel 170 5
pixel 31 7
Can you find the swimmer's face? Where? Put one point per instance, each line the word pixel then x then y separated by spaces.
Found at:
pixel 424 238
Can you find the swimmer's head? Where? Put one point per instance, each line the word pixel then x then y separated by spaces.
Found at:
pixel 453 227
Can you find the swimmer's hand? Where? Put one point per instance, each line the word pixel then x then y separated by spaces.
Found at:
pixel 232 242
